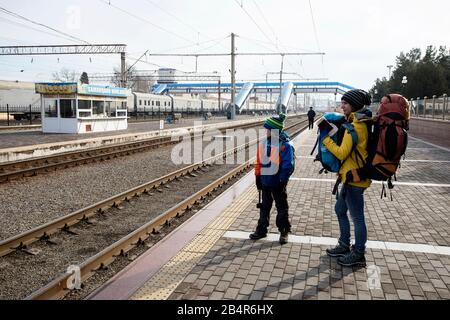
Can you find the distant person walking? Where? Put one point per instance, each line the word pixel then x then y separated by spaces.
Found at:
pixel 311 116
pixel 275 162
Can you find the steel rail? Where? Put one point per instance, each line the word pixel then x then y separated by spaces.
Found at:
pixel 44 231
pixel 31 167
pixel 59 287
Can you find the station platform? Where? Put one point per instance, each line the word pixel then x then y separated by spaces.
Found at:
pixel 19 145
pixel 210 257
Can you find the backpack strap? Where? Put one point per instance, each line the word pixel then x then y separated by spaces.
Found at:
pixel 315 146
pixel 359 156
pixel 351 129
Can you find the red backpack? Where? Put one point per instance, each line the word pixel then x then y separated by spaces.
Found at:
pixel 387 141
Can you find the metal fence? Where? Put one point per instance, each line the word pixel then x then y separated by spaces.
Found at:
pixel 11 115
pixel 431 108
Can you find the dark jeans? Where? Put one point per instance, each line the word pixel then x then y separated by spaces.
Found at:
pixel 311 123
pixel 280 197
pixel 352 199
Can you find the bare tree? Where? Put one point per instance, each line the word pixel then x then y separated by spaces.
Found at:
pixel 65 75
pixel 134 81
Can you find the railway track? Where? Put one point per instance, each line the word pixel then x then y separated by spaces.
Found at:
pixel 32 167
pixel 58 287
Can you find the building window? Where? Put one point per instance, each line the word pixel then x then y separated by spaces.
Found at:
pixel 50 107
pixel 98 107
pixel 84 108
pixel 67 108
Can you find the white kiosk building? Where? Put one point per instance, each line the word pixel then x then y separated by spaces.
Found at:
pixel 82 108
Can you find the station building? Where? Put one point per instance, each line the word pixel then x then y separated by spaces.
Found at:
pixel 82 108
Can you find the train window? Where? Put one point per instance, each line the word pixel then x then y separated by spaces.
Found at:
pixel 51 110
pixel 158 103
pixel 165 103
pixel 153 103
pixel 67 108
pixel 140 102
pixel 169 103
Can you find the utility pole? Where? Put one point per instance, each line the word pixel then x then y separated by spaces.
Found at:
pixel 219 97
pixel 196 64
pixel 233 77
pixel 281 72
pixel 123 70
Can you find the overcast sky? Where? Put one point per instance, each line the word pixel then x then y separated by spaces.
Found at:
pixel 359 38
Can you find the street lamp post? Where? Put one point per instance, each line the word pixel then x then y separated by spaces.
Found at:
pixel 389 67
pixel 404 82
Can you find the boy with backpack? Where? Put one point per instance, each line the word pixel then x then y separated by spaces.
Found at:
pixel 275 163
pixel 351 196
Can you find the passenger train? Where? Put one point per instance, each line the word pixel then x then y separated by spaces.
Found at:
pixel 146 103
pixel 20 96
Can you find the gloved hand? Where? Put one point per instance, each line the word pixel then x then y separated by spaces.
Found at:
pixel 258 183
pixel 333 131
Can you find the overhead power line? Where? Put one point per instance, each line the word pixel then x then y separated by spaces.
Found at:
pixel 146 21
pixel 267 22
pixel 22 25
pixel 253 20
pixel 179 20
pixel 40 24
pixel 314 25
pixel 237 54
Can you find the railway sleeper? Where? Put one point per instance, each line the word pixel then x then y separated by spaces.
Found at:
pixel 66 229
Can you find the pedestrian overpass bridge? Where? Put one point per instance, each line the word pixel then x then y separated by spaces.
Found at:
pixel 259 87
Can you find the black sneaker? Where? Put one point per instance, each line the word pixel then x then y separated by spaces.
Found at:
pixel 284 237
pixel 338 251
pixel 256 235
pixel 353 258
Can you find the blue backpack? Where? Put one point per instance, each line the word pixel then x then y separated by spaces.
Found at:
pixel 329 162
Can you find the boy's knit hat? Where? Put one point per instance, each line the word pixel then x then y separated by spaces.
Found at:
pixel 357 99
pixel 275 122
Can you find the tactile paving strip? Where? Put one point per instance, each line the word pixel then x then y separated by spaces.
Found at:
pixel 167 279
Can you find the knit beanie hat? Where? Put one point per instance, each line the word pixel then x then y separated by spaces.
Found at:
pixel 275 122
pixel 357 99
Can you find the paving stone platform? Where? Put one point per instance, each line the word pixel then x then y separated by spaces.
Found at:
pixel 408 254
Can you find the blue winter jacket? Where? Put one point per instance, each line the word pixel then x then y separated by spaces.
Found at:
pixel 275 164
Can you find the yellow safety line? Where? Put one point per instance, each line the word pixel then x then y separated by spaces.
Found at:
pixel 167 279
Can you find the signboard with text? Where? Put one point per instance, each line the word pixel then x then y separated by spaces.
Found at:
pixel 83 89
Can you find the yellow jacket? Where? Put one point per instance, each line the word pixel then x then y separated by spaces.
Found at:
pixel 342 152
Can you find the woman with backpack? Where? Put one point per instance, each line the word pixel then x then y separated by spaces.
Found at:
pixel 351 196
